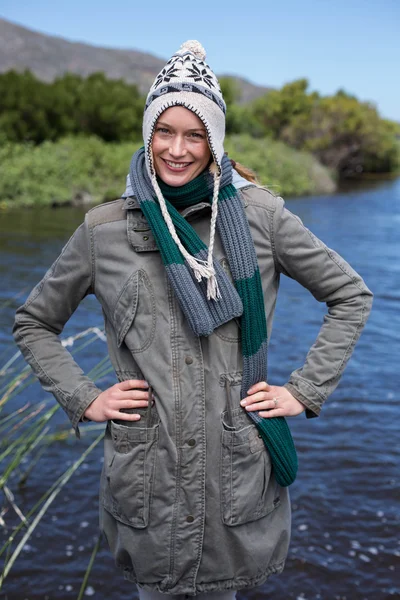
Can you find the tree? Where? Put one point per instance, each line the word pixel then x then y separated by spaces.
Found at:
pixel 31 110
pixel 279 108
pixel 343 133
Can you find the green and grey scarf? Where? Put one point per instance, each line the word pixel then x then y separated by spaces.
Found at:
pixel 244 299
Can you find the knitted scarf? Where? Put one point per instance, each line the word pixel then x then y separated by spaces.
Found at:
pixel 244 299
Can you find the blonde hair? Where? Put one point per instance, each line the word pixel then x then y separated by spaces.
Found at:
pixel 246 172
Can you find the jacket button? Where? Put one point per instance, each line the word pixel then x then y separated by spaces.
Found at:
pixel 189 360
pixel 190 519
pixel 192 443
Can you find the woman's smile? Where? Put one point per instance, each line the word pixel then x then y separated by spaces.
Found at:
pixel 176 166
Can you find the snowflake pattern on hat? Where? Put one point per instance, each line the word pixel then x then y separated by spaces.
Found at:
pixel 203 75
pixel 184 65
pixel 166 75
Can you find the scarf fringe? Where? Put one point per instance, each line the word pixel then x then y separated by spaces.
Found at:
pixel 202 270
pixel 213 292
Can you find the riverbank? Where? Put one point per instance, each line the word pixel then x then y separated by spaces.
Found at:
pixel 82 171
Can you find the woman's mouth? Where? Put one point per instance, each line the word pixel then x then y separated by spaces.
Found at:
pixel 176 166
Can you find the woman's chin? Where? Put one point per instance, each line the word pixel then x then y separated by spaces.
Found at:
pixel 175 179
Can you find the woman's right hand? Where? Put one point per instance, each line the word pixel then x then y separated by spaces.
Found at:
pixel 132 393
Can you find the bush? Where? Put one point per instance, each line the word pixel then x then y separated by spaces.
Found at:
pixel 63 172
pixel 78 170
pixel 283 170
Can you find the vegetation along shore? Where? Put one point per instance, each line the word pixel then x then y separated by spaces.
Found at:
pixel 70 141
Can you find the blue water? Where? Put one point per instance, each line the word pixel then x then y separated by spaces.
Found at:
pixel 346 512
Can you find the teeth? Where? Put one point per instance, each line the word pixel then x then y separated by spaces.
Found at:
pixel 176 165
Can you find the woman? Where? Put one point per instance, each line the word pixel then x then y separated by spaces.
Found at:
pixel 198 455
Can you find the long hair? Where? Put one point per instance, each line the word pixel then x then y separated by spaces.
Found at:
pixel 245 172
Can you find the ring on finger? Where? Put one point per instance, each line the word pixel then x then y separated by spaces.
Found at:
pixel 275 401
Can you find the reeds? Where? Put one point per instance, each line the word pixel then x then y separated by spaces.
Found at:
pixel 26 436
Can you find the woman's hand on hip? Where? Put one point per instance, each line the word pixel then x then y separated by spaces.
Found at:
pixel 132 393
pixel 272 401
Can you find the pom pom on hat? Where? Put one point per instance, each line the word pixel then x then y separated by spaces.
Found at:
pixel 195 48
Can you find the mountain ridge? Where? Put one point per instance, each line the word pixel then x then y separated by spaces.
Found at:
pixel 49 57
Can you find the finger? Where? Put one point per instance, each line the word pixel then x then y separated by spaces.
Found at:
pixel 131 404
pixel 257 397
pixel 122 416
pixel 266 405
pixel 129 384
pixel 133 395
pixel 275 412
pixel 257 387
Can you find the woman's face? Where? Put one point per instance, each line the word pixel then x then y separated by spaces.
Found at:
pixel 180 147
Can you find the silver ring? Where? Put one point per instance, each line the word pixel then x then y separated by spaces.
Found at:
pixel 275 401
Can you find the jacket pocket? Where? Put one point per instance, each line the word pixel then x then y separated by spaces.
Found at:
pixel 130 453
pixel 134 315
pixel 248 488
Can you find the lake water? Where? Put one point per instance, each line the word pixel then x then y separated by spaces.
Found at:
pixel 346 511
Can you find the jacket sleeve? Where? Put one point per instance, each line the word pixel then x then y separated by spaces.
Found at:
pixel 41 319
pixel 302 256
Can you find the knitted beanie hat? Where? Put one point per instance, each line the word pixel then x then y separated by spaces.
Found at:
pixel 187 80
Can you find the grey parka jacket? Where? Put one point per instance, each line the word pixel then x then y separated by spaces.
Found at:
pixel 188 500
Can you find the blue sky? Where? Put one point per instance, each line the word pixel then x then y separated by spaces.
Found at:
pixel 350 44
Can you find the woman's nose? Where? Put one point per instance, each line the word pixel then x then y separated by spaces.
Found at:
pixel 177 147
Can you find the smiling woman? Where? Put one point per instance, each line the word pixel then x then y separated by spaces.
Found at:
pixel 180 148
pixel 198 455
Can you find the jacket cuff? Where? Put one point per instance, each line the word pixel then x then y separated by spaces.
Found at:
pixel 312 409
pixel 79 402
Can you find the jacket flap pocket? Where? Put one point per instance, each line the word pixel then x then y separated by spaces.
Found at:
pixel 126 306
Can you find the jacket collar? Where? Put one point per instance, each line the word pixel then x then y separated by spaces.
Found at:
pixel 140 235
pixel 131 203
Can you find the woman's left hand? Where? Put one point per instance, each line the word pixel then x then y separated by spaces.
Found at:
pixel 272 401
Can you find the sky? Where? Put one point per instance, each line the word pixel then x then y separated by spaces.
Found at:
pixel 342 44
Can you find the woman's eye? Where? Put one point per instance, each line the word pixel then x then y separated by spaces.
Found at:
pixel 197 135
pixel 162 130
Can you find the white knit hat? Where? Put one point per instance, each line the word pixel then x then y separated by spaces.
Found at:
pixel 187 80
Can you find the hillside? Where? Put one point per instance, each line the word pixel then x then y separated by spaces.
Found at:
pixel 49 57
